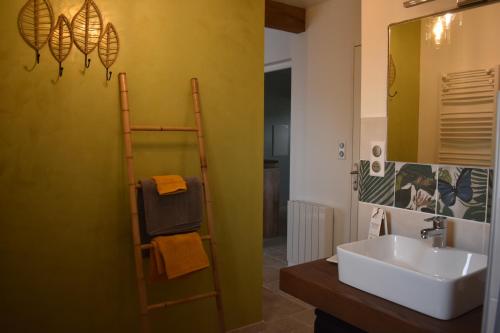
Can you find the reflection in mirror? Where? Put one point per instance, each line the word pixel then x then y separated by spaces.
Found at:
pixel 442 88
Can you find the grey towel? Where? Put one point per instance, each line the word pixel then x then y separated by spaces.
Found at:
pixel 172 214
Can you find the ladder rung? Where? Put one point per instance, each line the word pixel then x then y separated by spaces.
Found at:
pixel 163 129
pixel 180 301
pixel 149 246
pixel 139 185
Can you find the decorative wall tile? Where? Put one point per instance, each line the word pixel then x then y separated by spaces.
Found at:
pixel 453 191
pixel 489 205
pixel 416 187
pixel 463 192
pixel 377 190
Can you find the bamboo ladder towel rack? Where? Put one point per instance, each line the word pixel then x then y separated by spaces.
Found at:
pixel 145 308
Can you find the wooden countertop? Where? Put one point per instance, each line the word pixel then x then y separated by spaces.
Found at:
pixel 317 283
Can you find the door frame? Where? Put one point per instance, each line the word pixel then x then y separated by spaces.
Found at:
pixel 277 65
pixel 356 137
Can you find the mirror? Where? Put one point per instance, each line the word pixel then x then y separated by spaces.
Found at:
pixel 442 88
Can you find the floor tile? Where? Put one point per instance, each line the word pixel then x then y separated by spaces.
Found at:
pixel 281 312
pixel 256 328
pixel 306 317
pixel 286 325
pixel 278 307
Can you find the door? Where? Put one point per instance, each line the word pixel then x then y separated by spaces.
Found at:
pixel 356 132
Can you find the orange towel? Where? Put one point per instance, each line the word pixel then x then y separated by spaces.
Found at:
pixel 171 184
pixel 177 255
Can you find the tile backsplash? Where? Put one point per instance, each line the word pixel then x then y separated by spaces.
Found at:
pixel 463 193
pixel 377 190
pixel 453 191
pixel 415 187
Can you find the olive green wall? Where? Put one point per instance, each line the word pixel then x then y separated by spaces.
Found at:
pixel 403 109
pixel 65 242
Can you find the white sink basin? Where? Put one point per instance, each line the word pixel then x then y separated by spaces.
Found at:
pixel 441 283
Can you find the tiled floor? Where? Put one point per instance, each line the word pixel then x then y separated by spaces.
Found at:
pixel 282 313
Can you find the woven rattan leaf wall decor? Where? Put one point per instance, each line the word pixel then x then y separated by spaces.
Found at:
pixel 35 22
pixel 61 41
pixel 391 76
pixel 87 28
pixel 109 47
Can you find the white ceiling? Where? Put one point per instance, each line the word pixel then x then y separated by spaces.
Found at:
pixel 301 3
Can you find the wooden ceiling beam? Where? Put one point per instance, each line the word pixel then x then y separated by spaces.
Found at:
pixel 284 17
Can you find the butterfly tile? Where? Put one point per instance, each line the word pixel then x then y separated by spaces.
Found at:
pixel 489 205
pixel 463 192
pixel 416 187
pixel 377 190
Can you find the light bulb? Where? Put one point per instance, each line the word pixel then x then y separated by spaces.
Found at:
pixel 447 20
pixel 438 31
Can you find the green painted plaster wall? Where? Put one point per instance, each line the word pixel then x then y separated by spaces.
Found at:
pixel 403 109
pixel 65 241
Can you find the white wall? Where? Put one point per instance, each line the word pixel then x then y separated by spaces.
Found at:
pixel 322 95
pixel 276 46
pixel 464 234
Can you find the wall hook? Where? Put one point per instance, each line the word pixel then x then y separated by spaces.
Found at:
pixel 108 75
pixel 35 21
pixel 37 61
pixel 392 95
pixel 61 41
pixel 109 46
pixel 87 62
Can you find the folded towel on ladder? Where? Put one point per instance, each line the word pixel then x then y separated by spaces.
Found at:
pixel 171 184
pixel 177 255
pixel 170 214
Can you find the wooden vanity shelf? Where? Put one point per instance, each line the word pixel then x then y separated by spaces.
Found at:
pixel 317 283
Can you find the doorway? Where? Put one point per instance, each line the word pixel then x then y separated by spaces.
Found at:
pixel 277 306
pixel 277 108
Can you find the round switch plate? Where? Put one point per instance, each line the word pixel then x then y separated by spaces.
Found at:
pixel 377 151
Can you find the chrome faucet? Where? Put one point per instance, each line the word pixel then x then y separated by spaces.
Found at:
pixel 437 232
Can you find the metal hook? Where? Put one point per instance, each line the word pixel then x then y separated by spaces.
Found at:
pixel 392 95
pixel 108 75
pixel 87 62
pixel 37 61
pixel 60 70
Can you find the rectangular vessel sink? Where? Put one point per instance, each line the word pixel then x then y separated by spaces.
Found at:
pixel 440 282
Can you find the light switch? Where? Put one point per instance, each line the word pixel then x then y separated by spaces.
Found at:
pixel 377 159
